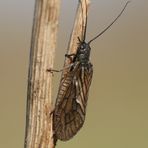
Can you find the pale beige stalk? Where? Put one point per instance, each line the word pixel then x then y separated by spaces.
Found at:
pixel 39 102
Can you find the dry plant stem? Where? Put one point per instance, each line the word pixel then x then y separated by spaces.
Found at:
pixel 39 104
pixel 77 31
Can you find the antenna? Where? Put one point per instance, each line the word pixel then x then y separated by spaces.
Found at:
pixel 110 24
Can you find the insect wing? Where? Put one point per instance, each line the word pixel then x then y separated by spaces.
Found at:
pixel 70 107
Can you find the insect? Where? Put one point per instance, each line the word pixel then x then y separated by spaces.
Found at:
pixel 70 106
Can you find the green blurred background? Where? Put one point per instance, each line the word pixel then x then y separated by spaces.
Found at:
pixel 117 112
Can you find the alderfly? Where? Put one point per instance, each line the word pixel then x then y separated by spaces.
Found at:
pixel 70 107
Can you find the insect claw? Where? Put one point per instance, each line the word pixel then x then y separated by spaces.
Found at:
pixel 50 70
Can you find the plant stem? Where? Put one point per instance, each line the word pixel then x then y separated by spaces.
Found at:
pixel 39 132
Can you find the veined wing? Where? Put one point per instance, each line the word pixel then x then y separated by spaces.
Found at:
pixel 70 107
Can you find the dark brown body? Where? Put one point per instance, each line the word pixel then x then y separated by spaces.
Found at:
pixel 71 102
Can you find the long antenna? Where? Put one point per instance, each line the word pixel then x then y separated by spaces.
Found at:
pixel 110 24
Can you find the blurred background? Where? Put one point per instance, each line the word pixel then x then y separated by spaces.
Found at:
pixel 117 111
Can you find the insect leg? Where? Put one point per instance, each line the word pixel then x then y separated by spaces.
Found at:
pixel 70 56
pixel 54 70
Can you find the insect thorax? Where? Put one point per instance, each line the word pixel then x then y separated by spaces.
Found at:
pixel 83 54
